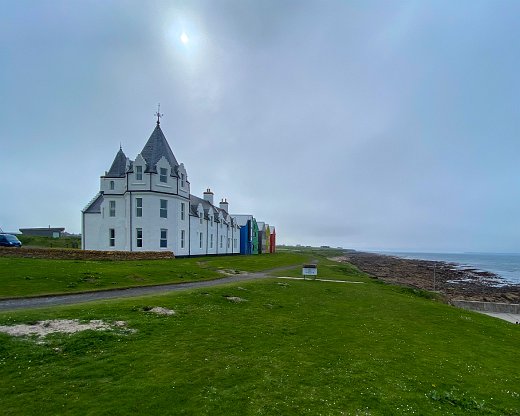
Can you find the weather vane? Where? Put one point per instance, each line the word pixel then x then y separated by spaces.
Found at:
pixel 158 114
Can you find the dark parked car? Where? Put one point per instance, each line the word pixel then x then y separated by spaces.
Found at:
pixel 9 240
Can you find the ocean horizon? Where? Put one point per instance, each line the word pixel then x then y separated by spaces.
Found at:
pixel 504 265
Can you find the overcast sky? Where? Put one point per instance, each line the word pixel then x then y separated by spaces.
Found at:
pixel 363 124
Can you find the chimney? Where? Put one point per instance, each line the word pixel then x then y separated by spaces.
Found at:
pixel 208 196
pixel 224 205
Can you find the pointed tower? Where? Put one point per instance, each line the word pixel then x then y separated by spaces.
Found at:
pixel 156 147
pixel 119 165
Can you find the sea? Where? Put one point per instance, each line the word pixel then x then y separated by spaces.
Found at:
pixel 507 266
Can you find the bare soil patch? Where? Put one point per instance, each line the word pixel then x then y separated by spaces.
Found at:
pixel 159 310
pixel 67 326
pixel 235 299
pixel 230 272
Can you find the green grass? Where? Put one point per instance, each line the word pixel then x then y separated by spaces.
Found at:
pixel 328 269
pixel 293 348
pixel 62 242
pixel 21 277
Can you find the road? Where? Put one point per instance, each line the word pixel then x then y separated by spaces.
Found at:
pixel 73 298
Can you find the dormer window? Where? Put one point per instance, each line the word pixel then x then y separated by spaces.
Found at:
pixel 200 218
pixel 139 173
pixel 163 176
pixel 182 180
pixel 112 185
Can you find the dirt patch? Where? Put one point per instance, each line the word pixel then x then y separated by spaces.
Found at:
pixel 451 280
pixel 230 272
pixel 66 326
pixel 159 310
pixel 235 299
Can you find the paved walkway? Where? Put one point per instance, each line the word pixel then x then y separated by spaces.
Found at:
pixel 72 298
pixel 514 318
pixel 319 280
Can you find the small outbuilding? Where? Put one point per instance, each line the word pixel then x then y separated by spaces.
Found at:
pixel 43 232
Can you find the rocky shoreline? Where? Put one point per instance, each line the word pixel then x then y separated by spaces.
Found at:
pixel 453 281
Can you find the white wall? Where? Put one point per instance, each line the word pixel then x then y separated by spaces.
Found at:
pixel 151 190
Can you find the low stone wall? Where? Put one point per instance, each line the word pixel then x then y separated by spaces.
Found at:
pixel 72 254
pixel 487 306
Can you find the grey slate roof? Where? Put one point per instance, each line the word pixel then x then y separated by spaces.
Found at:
pixel 118 168
pixel 155 148
pixel 241 219
pixel 95 205
pixel 195 201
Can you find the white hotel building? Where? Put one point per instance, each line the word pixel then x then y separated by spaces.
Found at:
pixel 146 205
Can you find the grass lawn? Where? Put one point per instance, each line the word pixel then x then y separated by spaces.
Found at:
pixel 292 348
pixel 30 277
pixel 39 241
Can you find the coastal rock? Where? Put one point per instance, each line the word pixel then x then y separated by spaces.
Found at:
pixel 450 280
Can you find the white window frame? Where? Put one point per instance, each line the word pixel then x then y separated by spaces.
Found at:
pixel 183 236
pixel 182 180
pixel 163 210
pixel 163 240
pixel 211 241
pixel 200 240
pixel 138 207
pixel 183 211
pixel 112 237
pixel 138 173
pixel 112 185
pixel 163 175
pixel 112 208
pixel 139 237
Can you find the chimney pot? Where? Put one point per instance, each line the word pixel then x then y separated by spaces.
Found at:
pixel 224 205
pixel 208 196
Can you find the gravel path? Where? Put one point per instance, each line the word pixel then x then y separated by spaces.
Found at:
pixel 69 299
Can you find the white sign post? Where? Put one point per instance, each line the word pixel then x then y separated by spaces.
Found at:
pixel 310 270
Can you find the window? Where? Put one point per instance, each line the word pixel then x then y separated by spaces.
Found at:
pixel 220 241
pixel 163 177
pixel 139 173
pixel 182 210
pixel 211 241
pixel 112 185
pixel 138 207
pixel 211 219
pixel 112 208
pixel 228 242
pixel 112 237
pixel 200 240
pixel 182 180
pixel 139 237
pixel 200 218
pixel 182 238
pixel 235 243
pixel 164 209
pixel 164 238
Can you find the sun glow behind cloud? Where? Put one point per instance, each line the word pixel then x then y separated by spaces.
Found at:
pixel 184 38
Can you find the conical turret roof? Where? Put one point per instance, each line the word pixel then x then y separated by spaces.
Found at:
pixel 118 168
pixel 156 147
